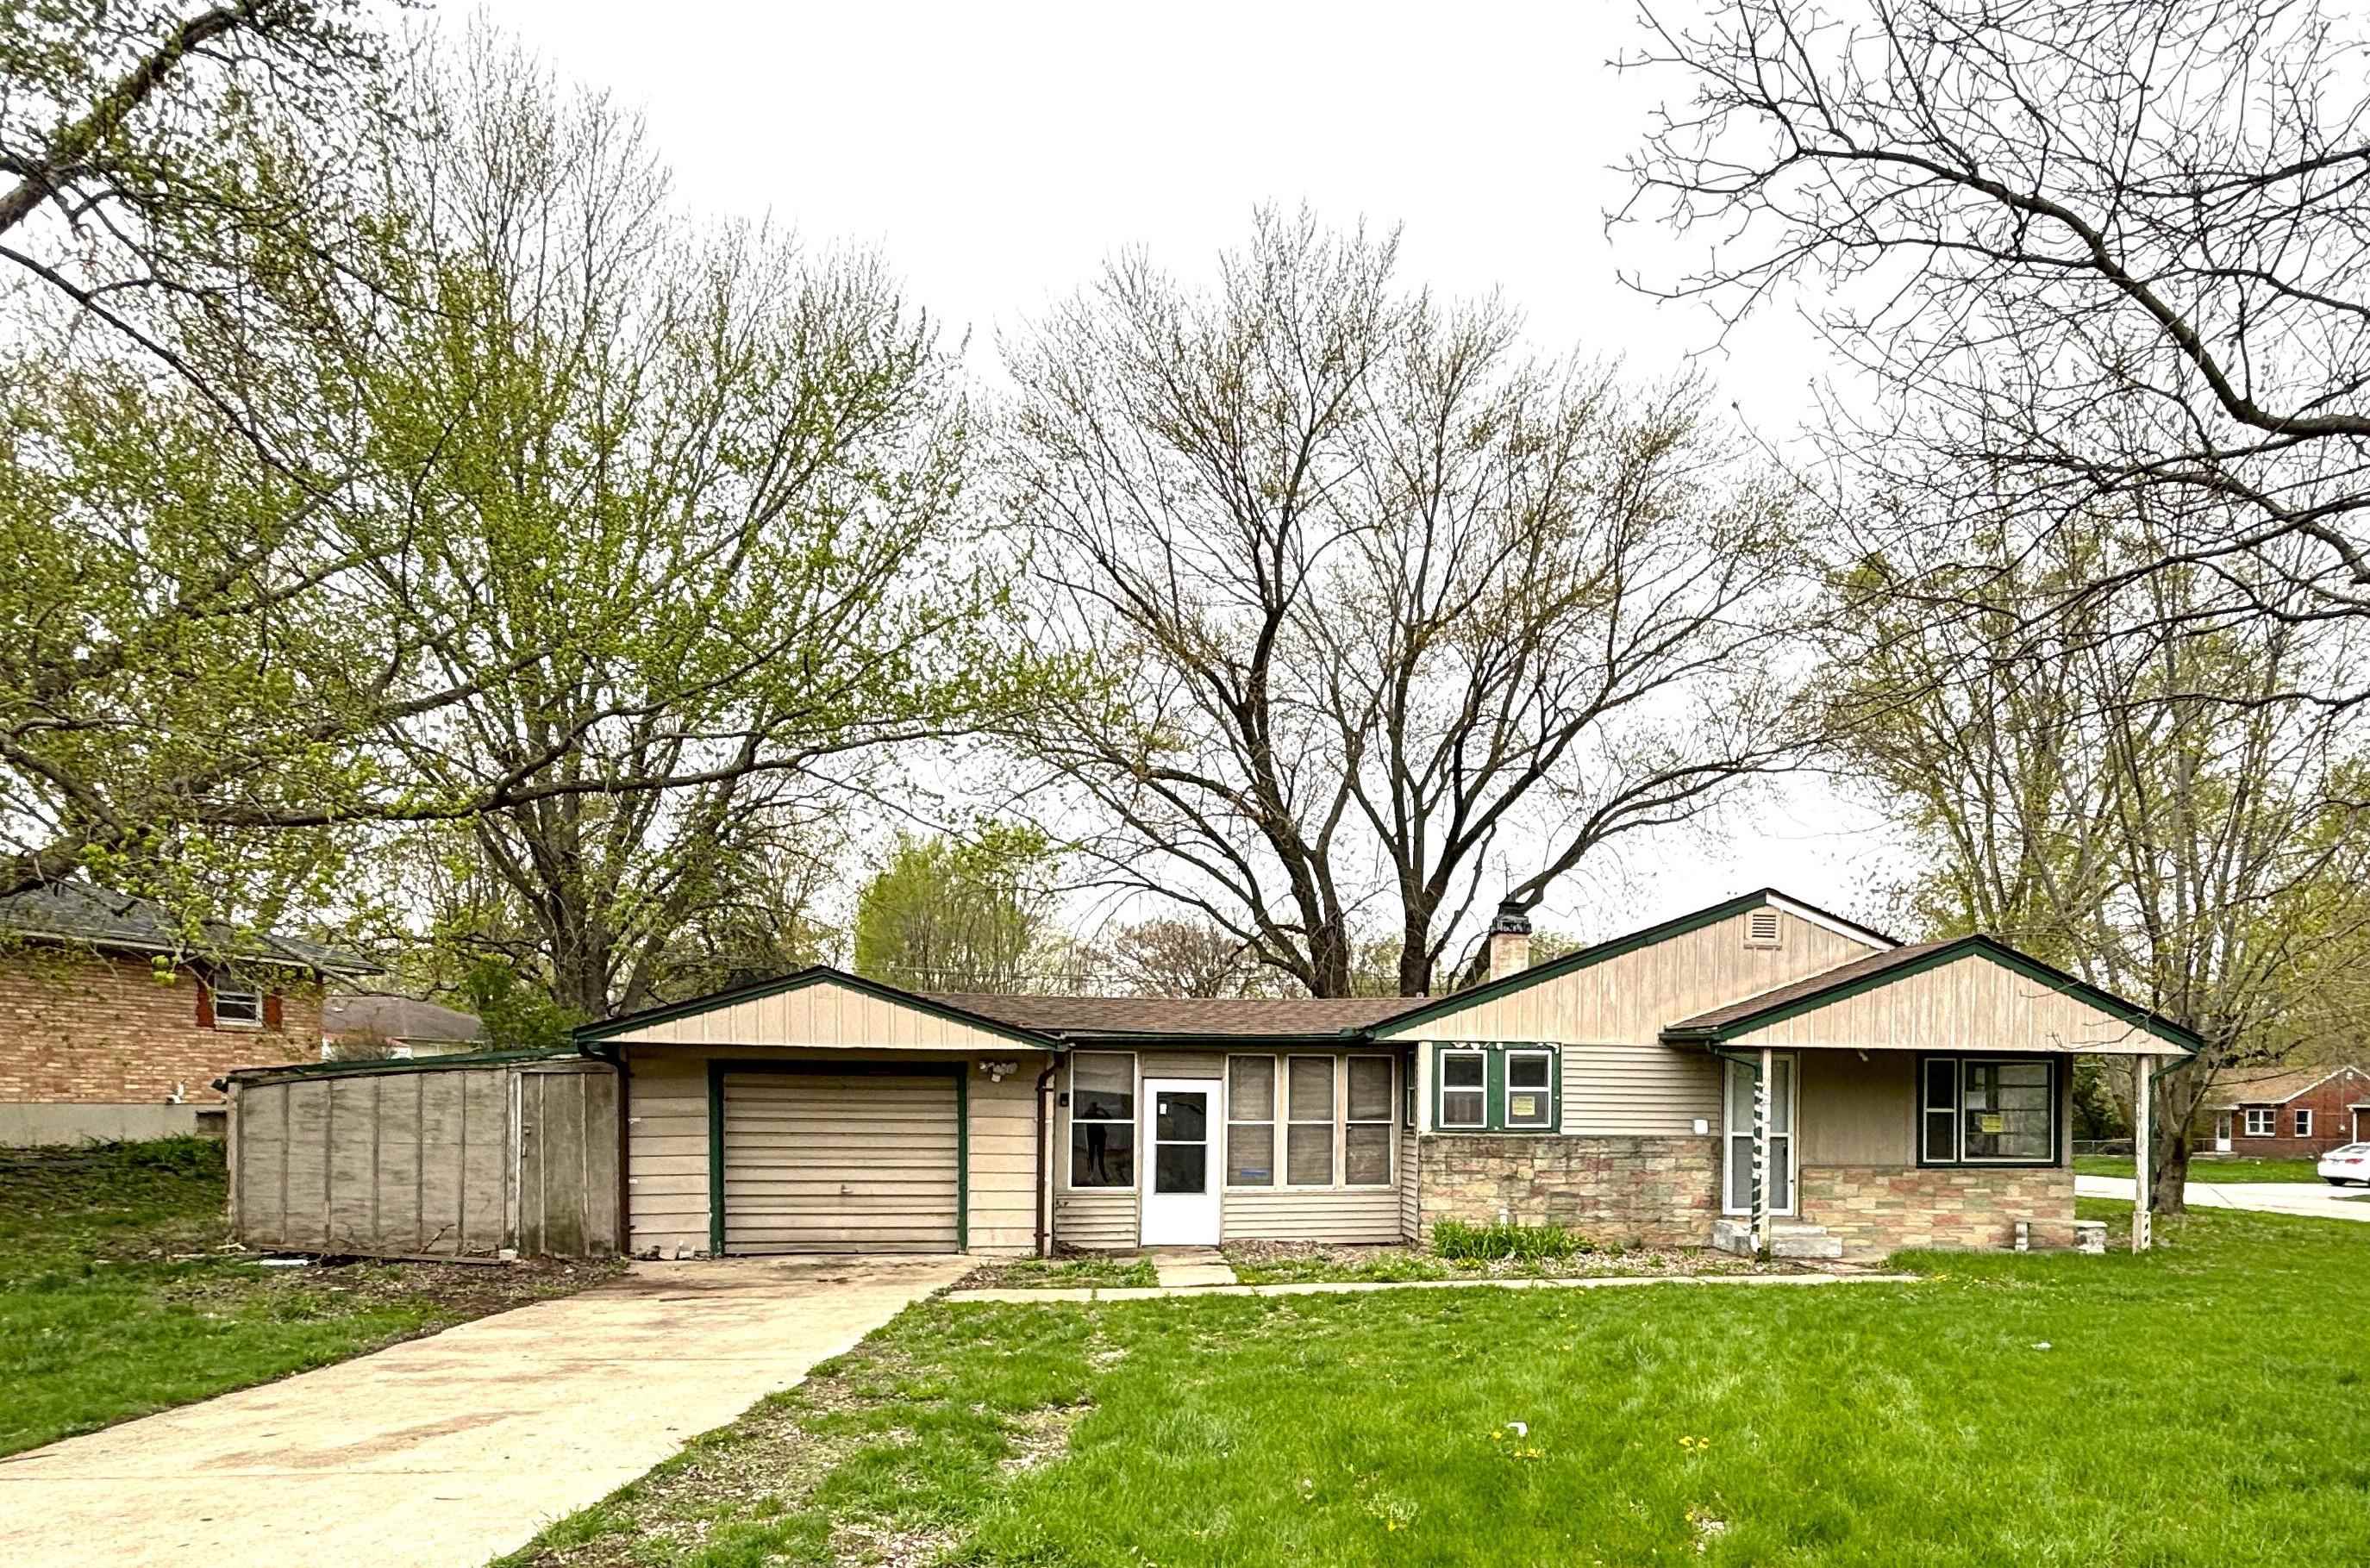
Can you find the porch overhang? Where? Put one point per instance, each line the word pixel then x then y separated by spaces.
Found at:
pixel 1971 994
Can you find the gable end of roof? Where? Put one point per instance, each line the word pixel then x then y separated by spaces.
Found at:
pixel 814 974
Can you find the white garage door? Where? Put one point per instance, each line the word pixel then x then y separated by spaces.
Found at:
pixel 840 1163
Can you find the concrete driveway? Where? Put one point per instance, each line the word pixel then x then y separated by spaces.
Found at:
pixel 445 1451
pixel 2317 1200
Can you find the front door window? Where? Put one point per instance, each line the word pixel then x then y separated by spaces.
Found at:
pixel 1180 1141
pixel 1739 1096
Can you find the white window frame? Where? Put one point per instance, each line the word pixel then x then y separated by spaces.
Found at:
pixel 1792 1136
pixel 1388 1121
pixel 1332 1121
pixel 2303 1122
pixel 1275 1139
pixel 2270 1125
pixel 251 1001
pixel 1482 1089
pixel 1131 1121
pixel 1506 1107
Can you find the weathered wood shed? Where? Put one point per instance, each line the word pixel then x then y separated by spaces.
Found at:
pixel 445 1157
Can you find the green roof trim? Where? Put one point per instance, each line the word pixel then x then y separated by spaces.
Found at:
pixel 814 974
pixel 1998 952
pixel 1678 925
pixel 404 1064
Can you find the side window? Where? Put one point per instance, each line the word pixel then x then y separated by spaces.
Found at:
pixel 1530 1091
pixel 1250 1121
pixel 1308 1134
pixel 1496 1088
pixel 1102 1119
pixel 1463 1089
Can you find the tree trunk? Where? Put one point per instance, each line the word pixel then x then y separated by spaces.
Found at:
pixel 2171 1152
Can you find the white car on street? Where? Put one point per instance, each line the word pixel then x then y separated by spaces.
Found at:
pixel 2351 1163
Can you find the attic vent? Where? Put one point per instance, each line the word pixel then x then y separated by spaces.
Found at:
pixel 1761 928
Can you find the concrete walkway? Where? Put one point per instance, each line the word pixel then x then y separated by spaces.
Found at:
pixel 2317 1200
pixel 445 1451
pixel 1350 1288
pixel 1193 1268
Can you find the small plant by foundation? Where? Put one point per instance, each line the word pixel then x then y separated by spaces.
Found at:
pixel 1460 1243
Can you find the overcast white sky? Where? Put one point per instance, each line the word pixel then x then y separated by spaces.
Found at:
pixel 996 153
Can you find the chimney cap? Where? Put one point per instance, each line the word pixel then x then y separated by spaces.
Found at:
pixel 1512 921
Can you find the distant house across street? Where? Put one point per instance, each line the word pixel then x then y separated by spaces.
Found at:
pixel 115 1019
pixel 2293 1113
pixel 394 1027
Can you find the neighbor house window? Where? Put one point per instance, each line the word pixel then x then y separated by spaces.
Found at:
pixel 1309 1131
pixel 2304 1123
pixel 1463 1089
pixel 236 1006
pixel 1989 1111
pixel 1366 1123
pixel 1250 1121
pixel 1530 1089
pixel 1102 1119
pixel 2262 1123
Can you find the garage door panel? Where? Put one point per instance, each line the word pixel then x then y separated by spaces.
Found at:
pixel 840 1162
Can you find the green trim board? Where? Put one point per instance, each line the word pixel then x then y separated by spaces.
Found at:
pixel 814 974
pixel 2187 1040
pixel 1679 925
pixel 718 1067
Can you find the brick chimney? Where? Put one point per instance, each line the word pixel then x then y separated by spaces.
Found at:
pixel 1509 941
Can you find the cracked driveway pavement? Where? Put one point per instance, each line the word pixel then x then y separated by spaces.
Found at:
pixel 445 1451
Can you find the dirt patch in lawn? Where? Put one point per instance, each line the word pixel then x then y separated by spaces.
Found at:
pixel 455 1291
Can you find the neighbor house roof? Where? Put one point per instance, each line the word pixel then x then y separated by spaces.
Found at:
pixel 2271 1086
pixel 1219 1018
pixel 1899 963
pixel 99 917
pixel 398 1018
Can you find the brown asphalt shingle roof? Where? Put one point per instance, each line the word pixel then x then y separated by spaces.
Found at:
pixel 1825 981
pixel 1227 1017
pixel 2273 1086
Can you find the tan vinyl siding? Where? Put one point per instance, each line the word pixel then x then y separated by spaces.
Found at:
pixel 1970 1003
pixel 1629 999
pixel 667 1145
pixel 827 1162
pixel 1410 1211
pixel 1100 1221
pixel 666 1153
pixel 1639 1091
pixel 824 1014
pixel 1857 1113
pixel 1348 1216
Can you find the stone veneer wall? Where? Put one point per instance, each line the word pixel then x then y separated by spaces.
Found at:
pixel 1662 1191
pixel 1877 1209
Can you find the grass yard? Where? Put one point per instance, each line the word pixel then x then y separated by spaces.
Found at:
pixel 2234 1168
pixel 1059 1274
pixel 2183 1408
pixel 1299 1262
pixel 113 1303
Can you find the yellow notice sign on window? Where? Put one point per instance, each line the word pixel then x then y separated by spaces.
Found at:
pixel 1523 1108
pixel 1994 1122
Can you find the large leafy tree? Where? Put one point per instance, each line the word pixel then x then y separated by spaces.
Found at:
pixel 1381 603
pixel 978 913
pixel 2153 808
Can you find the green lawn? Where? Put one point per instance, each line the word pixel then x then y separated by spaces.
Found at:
pixel 103 1313
pixel 2206 1170
pixel 2183 1408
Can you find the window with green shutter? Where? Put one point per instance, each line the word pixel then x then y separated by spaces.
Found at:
pixel 1497 1088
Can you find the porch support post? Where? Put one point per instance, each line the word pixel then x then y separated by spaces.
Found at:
pixel 2143 1152
pixel 1761 1088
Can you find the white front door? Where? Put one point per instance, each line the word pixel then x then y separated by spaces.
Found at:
pixel 1180 1187
pixel 2222 1133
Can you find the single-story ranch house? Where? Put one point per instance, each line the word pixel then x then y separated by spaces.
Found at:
pixel 2298 1112
pixel 1759 1072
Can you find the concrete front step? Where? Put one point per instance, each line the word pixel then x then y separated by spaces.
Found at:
pixel 1788 1238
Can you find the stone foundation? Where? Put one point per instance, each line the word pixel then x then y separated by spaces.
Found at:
pixel 1659 1191
pixel 1877 1209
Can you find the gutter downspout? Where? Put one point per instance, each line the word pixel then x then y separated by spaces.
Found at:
pixel 1044 1164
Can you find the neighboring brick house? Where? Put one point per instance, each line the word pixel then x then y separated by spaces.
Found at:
pixel 2294 1113
pixel 114 1025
